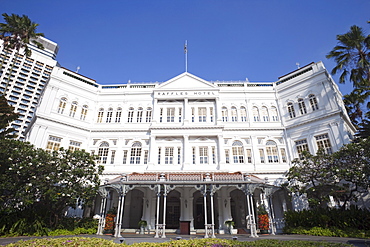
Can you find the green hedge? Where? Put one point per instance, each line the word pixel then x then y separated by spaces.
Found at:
pixel 178 243
pixel 330 232
pixel 35 227
pixel 329 222
pixel 329 218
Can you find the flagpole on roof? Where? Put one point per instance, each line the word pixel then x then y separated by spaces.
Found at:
pixel 186 55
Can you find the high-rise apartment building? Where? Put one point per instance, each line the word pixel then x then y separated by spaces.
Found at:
pixel 24 79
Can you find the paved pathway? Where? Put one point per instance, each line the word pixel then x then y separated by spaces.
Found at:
pixel 136 238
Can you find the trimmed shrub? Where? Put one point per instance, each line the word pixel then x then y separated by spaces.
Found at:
pixel 209 242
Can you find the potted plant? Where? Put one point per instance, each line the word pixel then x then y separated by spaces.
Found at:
pixel 142 225
pixel 263 220
pixel 109 220
pixel 230 226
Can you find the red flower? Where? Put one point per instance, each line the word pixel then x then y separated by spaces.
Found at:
pixel 109 222
pixel 263 222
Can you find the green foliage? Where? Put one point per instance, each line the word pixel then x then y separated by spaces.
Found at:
pixel 75 241
pixel 329 232
pixel 322 175
pixel 261 210
pixel 7 115
pixel 18 31
pixel 230 223
pixel 39 186
pixel 352 57
pixel 69 223
pixel 77 231
pixel 320 217
pixel 208 242
pixel 142 223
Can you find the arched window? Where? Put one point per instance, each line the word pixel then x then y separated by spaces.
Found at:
pixel 83 112
pixel 302 107
pixel 256 114
pixel 109 115
pixel 130 115
pixel 234 116
pixel 118 115
pixel 238 153
pixel 100 115
pixel 274 114
pixel 73 109
pixel 313 102
pixel 265 114
pixel 103 153
pixel 148 117
pixel 291 110
pixel 224 114
pixel 243 114
pixel 62 105
pixel 272 152
pixel 135 153
pixel 139 115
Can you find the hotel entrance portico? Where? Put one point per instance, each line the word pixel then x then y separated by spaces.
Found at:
pixel 203 202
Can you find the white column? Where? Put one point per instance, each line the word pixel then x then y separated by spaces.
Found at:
pixel 163 153
pixel 116 233
pixel 210 161
pixel 221 150
pixel 102 216
pixel 153 151
pixel 220 213
pixel 187 112
pixel 121 205
pixel 271 216
pixel 218 111
pixel 205 210
pixel 212 216
pixel 157 220
pixel 155 111
pixel 164 211
pixel 252 216
pixel 186 151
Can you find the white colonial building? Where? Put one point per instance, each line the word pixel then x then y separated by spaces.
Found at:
pixel 188 154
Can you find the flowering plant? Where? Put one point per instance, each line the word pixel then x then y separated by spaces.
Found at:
pixel 263 222
pixel 109 222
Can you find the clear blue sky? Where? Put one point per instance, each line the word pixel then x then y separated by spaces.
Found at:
pixel 114 41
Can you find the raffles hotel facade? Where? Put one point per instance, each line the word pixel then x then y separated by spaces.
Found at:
pixel 186 155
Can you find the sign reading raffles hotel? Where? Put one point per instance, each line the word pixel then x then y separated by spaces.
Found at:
pixel 183 94
pixel 175 150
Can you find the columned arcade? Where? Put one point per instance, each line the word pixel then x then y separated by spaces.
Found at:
pixel 190 203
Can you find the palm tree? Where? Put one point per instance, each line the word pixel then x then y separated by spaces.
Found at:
pixel 17 33
pixel 352 55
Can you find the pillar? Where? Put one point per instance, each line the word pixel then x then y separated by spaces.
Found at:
pixel 205 211
pixel 102 216
pixel 157 220
pixel 212 214
pixel 121 204
pixel 186 152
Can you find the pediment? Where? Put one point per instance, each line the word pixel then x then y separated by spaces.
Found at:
pixel 186 81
